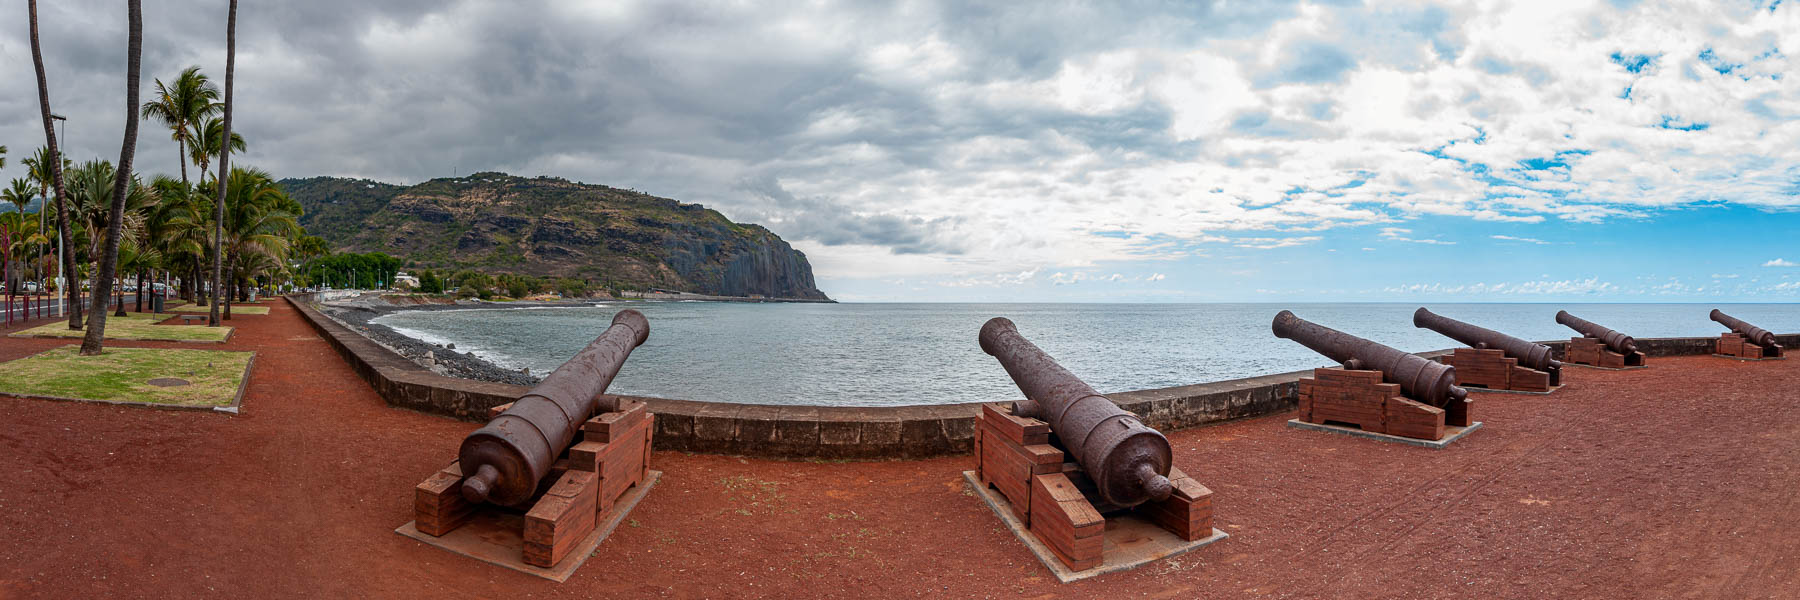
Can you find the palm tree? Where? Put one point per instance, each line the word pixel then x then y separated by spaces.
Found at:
pixel 226 141
pixel 2 157
pixel 182 107
pixel 259 219
pixel 122 186
pixel 19 195
pixel 174 228
pixel 55 162
pixel 209 136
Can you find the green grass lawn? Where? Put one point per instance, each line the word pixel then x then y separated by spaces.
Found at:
pixel 236 309
pixel 123 375
pixel 136 326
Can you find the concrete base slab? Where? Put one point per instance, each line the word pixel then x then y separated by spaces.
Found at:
pixel 1451 433
pixel 1482 389
pixel 1600 368
pixel 1131 540
pixel 497 537
pixel 1750 359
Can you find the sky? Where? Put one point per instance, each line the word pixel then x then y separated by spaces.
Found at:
pixel 1046 151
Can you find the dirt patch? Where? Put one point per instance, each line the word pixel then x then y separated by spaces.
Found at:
pixel 1674 481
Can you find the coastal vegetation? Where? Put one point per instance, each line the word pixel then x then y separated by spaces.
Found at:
pixel 206 377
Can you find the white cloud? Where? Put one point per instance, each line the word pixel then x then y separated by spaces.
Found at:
pixel 1781 263
pixel 1520 239
pixel 1156 277
pixel 1270 243
pixel 1399 234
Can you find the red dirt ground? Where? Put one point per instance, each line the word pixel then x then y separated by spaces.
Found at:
pixel 1673 482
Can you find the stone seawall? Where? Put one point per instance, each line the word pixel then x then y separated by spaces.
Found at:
pixel 829 432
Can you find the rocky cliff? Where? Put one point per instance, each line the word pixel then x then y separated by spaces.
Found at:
pixel 549 226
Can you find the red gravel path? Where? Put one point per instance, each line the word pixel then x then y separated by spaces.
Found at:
pixel 1677 481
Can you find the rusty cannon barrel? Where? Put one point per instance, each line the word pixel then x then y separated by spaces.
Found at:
pixel 1128 461
pixel 1530 354
pixel 1422 379
pixel 1757 335
pixel 1618 342
pixel 505 459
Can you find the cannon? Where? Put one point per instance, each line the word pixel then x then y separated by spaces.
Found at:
pixel 1121 469
pixel 1531 355
pixel 573 460
pixel 1420 378
pixel 1615 341
pixel 1379 390
pixel 1128 461
pixel 1494 360
pixel 1599 346
pixel 1756 335
pixel 1745 340
pixel 507 458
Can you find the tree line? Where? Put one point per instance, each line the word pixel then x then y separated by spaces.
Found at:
pixel 227 229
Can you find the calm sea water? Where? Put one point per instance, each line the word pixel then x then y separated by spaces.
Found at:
pixel 895 354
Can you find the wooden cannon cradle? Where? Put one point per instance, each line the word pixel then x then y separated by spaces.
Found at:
pixel 1054 499
pixel 1358 397
pixel 1591 351
pixel 1737 345
pixel 609 456
pixel 1490 368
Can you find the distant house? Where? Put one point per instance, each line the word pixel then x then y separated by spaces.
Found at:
pixel 403 279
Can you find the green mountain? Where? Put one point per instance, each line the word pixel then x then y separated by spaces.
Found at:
pixel 548 226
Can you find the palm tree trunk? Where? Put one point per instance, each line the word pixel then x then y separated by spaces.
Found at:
pixel 225 298
pixel 62 209
pixel 224 162
pixel 109 256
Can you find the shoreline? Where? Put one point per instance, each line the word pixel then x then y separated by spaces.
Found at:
pixel 358 314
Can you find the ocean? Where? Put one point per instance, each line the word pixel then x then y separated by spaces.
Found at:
pixel 924 353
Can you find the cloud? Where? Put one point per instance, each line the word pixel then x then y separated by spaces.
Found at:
pixel 1156 277
pixel 1520 239
pixel 1781 263
pixel 1399 234
pixel 1266 243
pixel 1564 287
pixel 944 139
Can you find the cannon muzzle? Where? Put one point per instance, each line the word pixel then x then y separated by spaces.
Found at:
pixel 1128 461
pixel 1757 335
pixel 1618 342
pixel 1530 354
pixel 505 459
pixel 1424 380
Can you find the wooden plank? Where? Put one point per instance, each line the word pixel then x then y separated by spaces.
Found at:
pixel 1071 528
pixel 438 505
pixel 563 516
pixel 1022 431
pixel 585 456
pixel 605 426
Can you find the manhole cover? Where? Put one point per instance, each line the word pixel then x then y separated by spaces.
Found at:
pixel 168 382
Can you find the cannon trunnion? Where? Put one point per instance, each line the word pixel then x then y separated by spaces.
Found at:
pixel 1745 340
pixel 1379 389
pixel 1598 346
pixel 1067 460
pixel 1494 360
